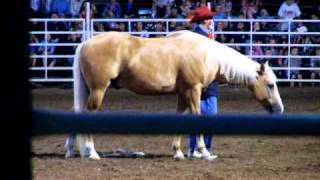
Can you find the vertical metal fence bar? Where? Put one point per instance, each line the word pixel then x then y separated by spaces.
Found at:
pixel 83 30
pixel 91 27
pixel 88 20
pixel 251 38
pixel 46 49
pixel 289 50
pixel 167 26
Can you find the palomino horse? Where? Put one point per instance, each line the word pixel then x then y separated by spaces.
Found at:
pixel 183 63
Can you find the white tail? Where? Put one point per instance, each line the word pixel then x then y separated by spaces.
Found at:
pixel 80 91
pixel 80 94
pixel 79 98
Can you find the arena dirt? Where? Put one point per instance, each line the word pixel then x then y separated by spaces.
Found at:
pixel 240 157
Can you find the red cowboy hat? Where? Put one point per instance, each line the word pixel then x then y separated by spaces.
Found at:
pixel 202 13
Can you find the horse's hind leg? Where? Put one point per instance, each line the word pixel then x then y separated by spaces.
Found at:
pixel 69 146
pixel 86 144
pixel 181 108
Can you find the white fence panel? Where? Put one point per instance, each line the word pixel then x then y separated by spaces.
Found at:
pixel 89 29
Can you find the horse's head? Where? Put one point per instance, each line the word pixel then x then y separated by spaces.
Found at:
pixel 266 91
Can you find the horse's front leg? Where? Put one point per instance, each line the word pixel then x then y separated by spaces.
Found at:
pixel 69 146
pixel 176 145
pixel 194 106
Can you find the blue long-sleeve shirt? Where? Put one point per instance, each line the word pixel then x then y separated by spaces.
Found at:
pixel 60 6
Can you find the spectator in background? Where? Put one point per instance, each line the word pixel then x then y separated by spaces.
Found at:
pixel 315 63
pixel 122 27
pixel 158 28
pixel 112 9
pixel 242 16
pixel 307 50
pixel 275 49
pixel 185 8
pixel 141 29
pixel 257 28
pixel 220 10
pixel 33 49
pixel 301 27
pixel 250 9
pixel 36 7
pixel 93 10
pixel 221 37
pixel 282 51
pixel 100 27
pixel 257 51
pixel 50 50
pixel 161 8
pixel 57 26
pixel 75 6
pixel 297 39
pixel 48 8
pixel 60 7
pixel 130 10
pixel 240 38
pixel 228 8
pixel 70 50
pixel 288 10
pixel 174 14
pixel 201 4
pixel 264 14
pixel 273 62
pixel 294 62
pixel 314 27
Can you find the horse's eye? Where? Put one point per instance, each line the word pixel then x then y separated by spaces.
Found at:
pixel 270 86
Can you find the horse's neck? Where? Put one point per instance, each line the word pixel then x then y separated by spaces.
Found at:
pixel 238 70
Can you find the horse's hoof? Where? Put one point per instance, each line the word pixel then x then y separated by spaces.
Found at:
pixel 94 156
pixel 178 156
pixel 69 154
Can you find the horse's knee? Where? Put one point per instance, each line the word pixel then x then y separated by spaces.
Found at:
pixel 95 100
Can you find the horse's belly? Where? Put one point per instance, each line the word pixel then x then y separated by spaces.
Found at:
pixel 149 85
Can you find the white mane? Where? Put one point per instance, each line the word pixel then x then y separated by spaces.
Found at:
pixel 235 67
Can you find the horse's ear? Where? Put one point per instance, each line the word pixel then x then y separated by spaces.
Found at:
pixel 263 66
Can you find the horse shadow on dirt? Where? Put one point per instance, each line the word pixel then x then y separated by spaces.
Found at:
pixel 119 153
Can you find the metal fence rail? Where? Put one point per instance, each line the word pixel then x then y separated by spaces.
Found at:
pixel 48 123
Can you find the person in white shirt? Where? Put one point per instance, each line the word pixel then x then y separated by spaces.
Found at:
pixel 288 11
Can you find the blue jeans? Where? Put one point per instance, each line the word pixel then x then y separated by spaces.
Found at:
pixel 208 106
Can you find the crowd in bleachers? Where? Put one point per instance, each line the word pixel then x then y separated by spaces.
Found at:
pixel 182 9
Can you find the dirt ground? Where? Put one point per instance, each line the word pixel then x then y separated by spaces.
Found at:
pixel 240 157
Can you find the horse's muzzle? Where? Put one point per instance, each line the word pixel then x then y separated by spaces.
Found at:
pixel 276 109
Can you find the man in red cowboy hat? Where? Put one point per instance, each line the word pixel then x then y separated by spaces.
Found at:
pixel 209 104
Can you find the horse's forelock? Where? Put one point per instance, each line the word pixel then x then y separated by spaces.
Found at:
pixel 271 74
